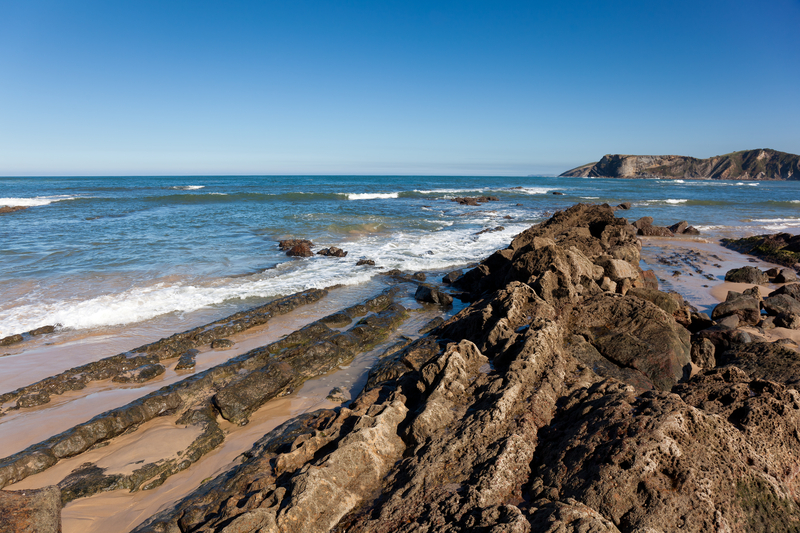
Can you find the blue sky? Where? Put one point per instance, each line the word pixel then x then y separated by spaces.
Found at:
pixel 389 87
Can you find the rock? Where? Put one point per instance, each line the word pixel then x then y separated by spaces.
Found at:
pixel 729 322
pixel 288 244
pixel 42 330
pixel 624 205
pixel 451 277
pixel 300 250
pixel 768 322
pixel 490 230
pixel 635 333
pixel 475 200
pixel 139 374
pixel 786 275
pixel 746 307
pixel 11 339
pixel 780 248
pixel 703 353
pixel 32 399
pixel 418 276
pixel 556 193
pixel 655 231
pixel 368 262
pixel 332 252
pixel 678 227
pixel 31 511
pixel 747 274
pixel 792 289
pixel 222 344
pixel 643 222
pixel 338 395
pixel 691 230
pixel 649 279
pixel 427 293
pixel 12 208
pixel 187 360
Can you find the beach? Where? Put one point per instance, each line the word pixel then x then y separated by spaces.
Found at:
pixel 156 300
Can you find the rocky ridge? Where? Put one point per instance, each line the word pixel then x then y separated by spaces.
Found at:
pixel 572 395
pixel 760 164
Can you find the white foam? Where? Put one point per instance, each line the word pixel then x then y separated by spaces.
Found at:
pixel 678 181
pixel 674 201
pixel 534 190
pixel 188 187
pixel 33 202
pixel 590 197
pixel 370 195
pixel 447 191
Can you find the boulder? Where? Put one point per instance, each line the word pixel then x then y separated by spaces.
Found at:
pixel 42 331
pixel 288 244
pixel 747 274
pixel 624 205
pixel 368 262
pixel 781 305
pixel 635 333
pixel 427 293
pixel 786 275
pixel 703 353
pixel 747 308
pixel 187 360
pixel 300 250
pixel 451 277
pixel 11 339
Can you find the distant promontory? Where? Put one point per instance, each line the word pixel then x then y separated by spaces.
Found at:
pixel 759 164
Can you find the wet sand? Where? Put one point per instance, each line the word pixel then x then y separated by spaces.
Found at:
pixel 162 439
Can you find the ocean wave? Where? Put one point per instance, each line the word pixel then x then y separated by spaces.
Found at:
pixel 33 202
pixel 446 191
pixel 535 190
pixel 673 201
pixel 371 195
pixel 188 187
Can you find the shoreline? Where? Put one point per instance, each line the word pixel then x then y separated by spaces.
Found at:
pixel 701 264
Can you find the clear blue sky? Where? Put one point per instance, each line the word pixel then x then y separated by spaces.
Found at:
pixel 389 87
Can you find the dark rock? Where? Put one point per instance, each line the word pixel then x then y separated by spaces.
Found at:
pixel 139 374
pixel 427 293
pixel 222 344
pixel 288 244
pixel 477 200
pixel 678 227
pixel 490 230
pixel 747 274
pixel 31 511
pixel 451 277
pixel 691 230
pixel 431 325
pixel 11 339
pixel 792 290
pixel 338 395
pixel 418 276
pixel 643 222
pixel 187 360
pixel 42 330
pixel 368 262
pixel 332 252
pixel 780 248
pixel 556 193
pixel 729 322
pixel 747 308
pixel 624 205
pixel 300 250
pixel 781 304
pixel 32 399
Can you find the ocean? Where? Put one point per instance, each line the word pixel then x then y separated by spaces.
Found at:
pixel 95 255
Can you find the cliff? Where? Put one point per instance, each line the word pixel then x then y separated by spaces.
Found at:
pixel 760 164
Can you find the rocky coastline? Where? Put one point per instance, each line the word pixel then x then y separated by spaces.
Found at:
pixel 760 164
pixel 570 395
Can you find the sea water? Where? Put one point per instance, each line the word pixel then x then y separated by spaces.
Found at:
pixel 91 253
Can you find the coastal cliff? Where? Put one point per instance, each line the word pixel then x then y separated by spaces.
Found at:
pixel 760 164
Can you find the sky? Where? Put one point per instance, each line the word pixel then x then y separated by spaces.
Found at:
pixel 494 87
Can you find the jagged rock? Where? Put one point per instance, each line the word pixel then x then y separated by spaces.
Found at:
pixel 139 374
pixel 338 395
pixel 678 227
pixel 791 289
pixel 31 511
pixel 718 455
pixel 222 344
pixel 635 333
pixel 729 322
pixel 490 230
pixel 747 274
pixel 368 262
pixel 418 276
pixel 587 354
pixel 426 293
pixel 33 399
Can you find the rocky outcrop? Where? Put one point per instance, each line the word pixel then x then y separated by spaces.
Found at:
pixel 780 248
pixel 760 164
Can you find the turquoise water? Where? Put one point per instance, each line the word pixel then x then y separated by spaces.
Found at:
pixel 101 251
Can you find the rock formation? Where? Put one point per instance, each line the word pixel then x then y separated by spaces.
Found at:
pixel 761 164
